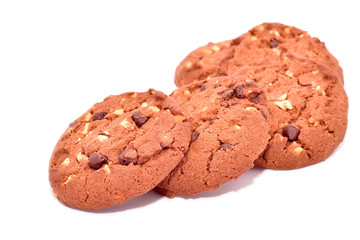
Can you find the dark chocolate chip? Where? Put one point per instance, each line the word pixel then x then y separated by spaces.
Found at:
pixel 224 104
pixel 72 124
pixel 163 146
pixel 139 118
pixel 201 57
pixel 255 99
pixel 128 156
pixel 274 43
pixel 264 114
pixel 227 94
pixel 291 132
pixel 202 88
pixel 239 91
pixel 99 116
pixel 96 160
pixel 236 41
pixel 225 146
pixel 195 136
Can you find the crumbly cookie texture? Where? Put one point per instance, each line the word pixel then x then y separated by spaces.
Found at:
pixel 307 111
pixel 266 44
pixel 119 149
pixel 230 131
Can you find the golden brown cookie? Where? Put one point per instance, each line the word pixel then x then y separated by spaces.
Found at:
pixel 266 44
pixel 119 149
pixel 307 111
pixel 230 131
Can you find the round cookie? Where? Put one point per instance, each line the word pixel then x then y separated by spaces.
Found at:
pixel 230 131
pixel 265 44
pixel 119 149
pixel 307 111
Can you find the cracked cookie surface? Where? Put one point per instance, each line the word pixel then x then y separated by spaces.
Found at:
pixel 307 111
pixel 266 44
pixel 230 131
pixel 120 148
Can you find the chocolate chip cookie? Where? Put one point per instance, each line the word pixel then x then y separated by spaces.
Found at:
pixel 307 111
pixel 119 149
pixel 230 131
pixel 266 44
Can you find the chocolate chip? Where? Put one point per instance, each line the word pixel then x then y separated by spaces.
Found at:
pixel 264 114
pixel 139 118
pixel 255 99
pixel 72 124
pixel 195 136
pixel 227 94
pixel 291 132
pixel 128 156
pixel 96 160
pixel 224 104
pixel 201 57
pixel 236 41
pixel 274 43
pixel 225 146
pixel 99 116
pixel 202 88
pixel 239 91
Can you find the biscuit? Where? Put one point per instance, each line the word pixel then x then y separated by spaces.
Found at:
pixel 307 111
pixel 119 149
pixel 230 131
pixel 266 44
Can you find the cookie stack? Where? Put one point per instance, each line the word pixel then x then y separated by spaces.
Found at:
pixel 272 98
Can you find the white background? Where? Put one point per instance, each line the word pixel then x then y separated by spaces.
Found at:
pixel 57 58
